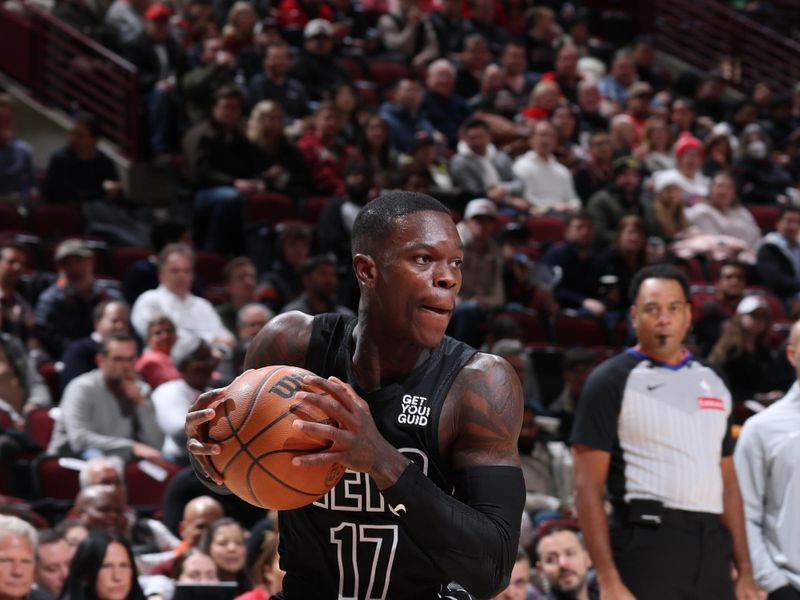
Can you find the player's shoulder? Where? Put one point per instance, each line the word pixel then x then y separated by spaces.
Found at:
pixel 490 378
pixel 283 340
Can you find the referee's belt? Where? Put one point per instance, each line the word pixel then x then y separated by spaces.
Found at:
pixel 653 513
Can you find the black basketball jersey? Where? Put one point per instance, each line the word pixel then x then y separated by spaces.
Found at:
pixel 350 543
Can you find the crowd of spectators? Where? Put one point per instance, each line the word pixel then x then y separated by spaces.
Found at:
pixel 570 162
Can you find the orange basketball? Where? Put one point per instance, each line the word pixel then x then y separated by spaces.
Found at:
pixel 253 425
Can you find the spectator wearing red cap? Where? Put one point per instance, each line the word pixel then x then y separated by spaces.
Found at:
pixel 689 159
pixel 161 63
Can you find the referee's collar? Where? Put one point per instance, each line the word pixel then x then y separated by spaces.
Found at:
pixel 687 357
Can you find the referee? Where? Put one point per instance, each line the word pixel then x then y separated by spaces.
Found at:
pixel 651 431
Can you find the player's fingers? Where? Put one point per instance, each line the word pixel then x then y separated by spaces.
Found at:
pixel 208 399
pixel 337 390
pixel 323 431
pixel 195 419
pixel 348 391
pixel 319 458
pixel 330 406
pixel 199 449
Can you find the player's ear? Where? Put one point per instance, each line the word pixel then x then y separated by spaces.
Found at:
pixel 366 270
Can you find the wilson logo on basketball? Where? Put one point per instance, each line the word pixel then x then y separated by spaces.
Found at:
pixel 287 387
pixel 710 402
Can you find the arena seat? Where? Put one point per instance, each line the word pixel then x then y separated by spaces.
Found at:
pixel 578 330
pixel 123 257
pixel 50 372
pixel 10 218
pixel 56 220
pixel 39 425
pixel 54 480
pixel 765 215
pixel 209 267
pixel 532 330
pixel 145 492
pixel 547 230
pixel 270 206
pixel 312 208
pixel 386 73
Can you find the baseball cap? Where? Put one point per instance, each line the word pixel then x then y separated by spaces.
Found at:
pixel 663 179
pixel 72 248
pixel 750 304
pixel 481 207
pixel 685 142
pixel 316 27
pixel 157 11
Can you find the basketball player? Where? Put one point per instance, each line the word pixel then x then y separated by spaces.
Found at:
pixel 428 426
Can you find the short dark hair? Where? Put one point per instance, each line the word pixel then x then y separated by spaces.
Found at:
pixel 556 526
pixel 235 263
pixel 732 262
pixel 116 336
pixel 90 121
pixel 788 208
pixel 312 262
pixel 49 536
pixel 377 219
pixel 580 215
pixel 474 123
pixel 229 91
pixel 658 272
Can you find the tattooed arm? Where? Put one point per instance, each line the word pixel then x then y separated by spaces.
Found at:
pixel 473 535
pixel 282 341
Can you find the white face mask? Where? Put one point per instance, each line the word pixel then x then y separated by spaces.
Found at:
pixel 757 149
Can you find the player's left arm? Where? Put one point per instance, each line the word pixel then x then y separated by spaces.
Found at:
pixel 472 535
pixel 733 519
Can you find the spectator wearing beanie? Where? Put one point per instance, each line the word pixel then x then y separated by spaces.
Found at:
pixel 689 159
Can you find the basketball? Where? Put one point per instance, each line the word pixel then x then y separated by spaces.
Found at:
pixel 253 425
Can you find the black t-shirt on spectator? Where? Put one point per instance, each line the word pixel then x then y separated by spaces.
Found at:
pixel 70 179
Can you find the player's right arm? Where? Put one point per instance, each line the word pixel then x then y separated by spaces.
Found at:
pixel 591 470
pixel 282 341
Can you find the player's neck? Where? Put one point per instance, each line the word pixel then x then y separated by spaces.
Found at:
pixel 379 359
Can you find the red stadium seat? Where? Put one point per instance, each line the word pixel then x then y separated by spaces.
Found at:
pixel 272 207
pixel 122 258
pixel 51 375
pixel 765 216
pixel 546 229
pixel 578 330
pixel 10 217
pixel 532 330
pixel 312 208
pixel 353 66
pixel 209 266
pixel 386 73
pixel 143 489
pixel 55 479
pixel 369 93
pixel 56 220
pixel 39 425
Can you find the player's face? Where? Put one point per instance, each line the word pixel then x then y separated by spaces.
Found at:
pixel 563 561
pixel 661 317
pixel 419 277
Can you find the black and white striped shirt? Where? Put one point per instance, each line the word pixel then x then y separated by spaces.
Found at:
pixel 665 426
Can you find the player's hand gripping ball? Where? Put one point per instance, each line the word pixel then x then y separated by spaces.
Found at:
pixel 253 426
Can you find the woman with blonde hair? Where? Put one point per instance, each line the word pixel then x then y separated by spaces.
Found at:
pixel 543 99
pixel 655 151
pixel 743 352
pixel 265 571
pixel 668 207
pixel 239 30
pixel 282 165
